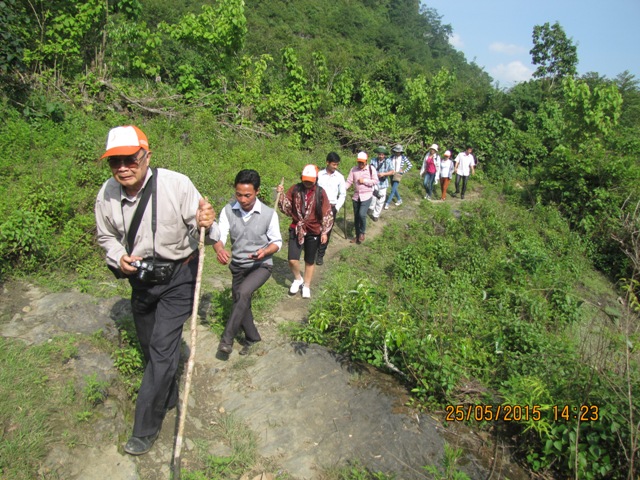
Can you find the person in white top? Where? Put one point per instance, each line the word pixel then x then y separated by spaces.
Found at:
pixel 332 181
pixel 445 174
pixel 465 163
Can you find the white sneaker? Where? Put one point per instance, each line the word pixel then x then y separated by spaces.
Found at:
pixel 386 207
pixel 398 203
pixel 295 286
pixel 306 293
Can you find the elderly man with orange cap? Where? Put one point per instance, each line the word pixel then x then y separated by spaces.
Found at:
pixel 148 222
pixel 311 220
pixel 364 178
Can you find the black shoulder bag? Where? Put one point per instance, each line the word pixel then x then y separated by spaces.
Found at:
pixel 135 221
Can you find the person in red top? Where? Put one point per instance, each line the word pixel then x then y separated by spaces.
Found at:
pixel 310 210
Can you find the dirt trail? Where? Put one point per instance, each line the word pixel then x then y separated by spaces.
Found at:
pixel 309 408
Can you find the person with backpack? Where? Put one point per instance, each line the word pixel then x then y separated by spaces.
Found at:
pixel 364 178
pixel 430 170
pixel 401 165
pixel 384 168
pixel 311 220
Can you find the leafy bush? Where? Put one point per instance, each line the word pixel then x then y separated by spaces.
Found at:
pixel 490 298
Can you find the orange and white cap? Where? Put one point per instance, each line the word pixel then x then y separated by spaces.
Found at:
pixel 125 140
pixel 310 173
pixel 362 157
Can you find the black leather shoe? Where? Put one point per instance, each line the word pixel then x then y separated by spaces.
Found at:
pixel 246 349
pixel 140 445
pixel 319 260
pixel 222 348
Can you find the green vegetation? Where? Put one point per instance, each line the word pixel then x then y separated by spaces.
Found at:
pixel 33 399
pixel 492 308
pixel 498 306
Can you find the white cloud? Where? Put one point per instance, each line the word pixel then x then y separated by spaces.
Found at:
pixel 513 72
pixel 507 48
pixel 456 41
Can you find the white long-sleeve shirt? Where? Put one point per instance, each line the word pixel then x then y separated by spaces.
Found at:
pixel 334 185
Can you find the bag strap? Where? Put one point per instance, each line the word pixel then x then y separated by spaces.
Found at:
pixel 137 216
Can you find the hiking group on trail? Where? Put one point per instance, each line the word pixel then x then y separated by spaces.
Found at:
pixel 157 250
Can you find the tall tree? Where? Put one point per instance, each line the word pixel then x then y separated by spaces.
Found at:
pixel 554 53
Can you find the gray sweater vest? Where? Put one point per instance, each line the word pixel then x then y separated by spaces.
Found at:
pixel 247 237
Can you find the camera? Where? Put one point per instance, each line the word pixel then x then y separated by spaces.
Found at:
pixel 144 269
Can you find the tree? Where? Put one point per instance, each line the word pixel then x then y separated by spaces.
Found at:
pixel 554 53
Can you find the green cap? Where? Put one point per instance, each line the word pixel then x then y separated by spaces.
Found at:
pixel 382 149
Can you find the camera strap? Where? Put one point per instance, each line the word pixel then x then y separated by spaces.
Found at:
pixel 137 216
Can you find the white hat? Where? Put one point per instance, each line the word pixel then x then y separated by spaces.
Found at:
pixel 434 147
pixel 363 157
pixel 125 141
pixel 397 148
pixel 310 173
pixel 447 153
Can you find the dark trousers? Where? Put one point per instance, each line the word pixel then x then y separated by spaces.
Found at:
pixel 322 249
pixel 244 282
pixel 159 312
pixel 360 210
pixel 464 183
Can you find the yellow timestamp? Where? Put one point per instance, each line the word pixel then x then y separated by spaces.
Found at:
pixel 493 413
pixel 584 413
pixel 521 413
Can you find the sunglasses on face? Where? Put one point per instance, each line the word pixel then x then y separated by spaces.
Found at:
pixel 129 161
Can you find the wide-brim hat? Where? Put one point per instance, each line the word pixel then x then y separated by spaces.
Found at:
pixel 381 149
pixel 125 140
pixel 397 148
pixel 434 147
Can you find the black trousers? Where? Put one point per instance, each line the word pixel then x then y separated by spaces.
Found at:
pixel 244 282
pixel 464 183
pixel 159 312
pixel 322 249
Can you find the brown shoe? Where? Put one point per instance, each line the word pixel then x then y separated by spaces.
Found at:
pixel 354 240
pixel 361 238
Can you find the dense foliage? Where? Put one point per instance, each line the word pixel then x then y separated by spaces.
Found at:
pixel 489 309
pixel 355 74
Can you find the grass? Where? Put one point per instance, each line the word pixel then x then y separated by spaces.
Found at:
pixel 41 404
pixel 243 456
pixel 29 400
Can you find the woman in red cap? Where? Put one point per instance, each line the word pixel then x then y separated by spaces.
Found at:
pixel 311 219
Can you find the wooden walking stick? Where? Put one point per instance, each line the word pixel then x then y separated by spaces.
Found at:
pixel 275 205
pixel 345 222
pixel 192 359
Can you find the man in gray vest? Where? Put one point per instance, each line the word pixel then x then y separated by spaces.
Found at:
pixel 255 236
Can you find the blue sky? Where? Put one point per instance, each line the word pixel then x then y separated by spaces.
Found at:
pixel 497 34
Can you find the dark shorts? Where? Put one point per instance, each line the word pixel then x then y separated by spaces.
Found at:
pixel 311 244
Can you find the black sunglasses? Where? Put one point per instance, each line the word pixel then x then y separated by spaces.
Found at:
pixel 127 160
